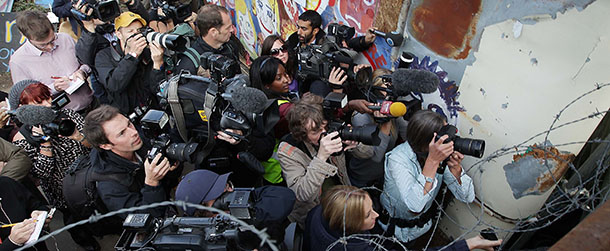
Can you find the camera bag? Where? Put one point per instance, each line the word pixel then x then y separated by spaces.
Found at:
pixel 80 193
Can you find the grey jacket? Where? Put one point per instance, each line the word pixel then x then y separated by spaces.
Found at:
pixel 305 175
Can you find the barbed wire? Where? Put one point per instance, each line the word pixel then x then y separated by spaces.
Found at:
pixel 262 234
pixel 562 201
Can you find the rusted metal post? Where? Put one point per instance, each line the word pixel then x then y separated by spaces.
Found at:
pixel 593 233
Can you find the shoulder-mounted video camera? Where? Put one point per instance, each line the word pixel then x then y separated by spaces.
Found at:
pixel 317 62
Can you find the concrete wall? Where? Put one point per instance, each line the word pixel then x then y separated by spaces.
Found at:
pixel 508 67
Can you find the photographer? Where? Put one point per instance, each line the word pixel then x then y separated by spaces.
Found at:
pixel 119 150
pixel 131 69
pixel 367 172
pixel 53 156
pixel 95 36
pixel 306 155
pixel 164 17
pixel 412 181
pixel 49 57
pixel 310 32
pixel 215 30
pixel 270 205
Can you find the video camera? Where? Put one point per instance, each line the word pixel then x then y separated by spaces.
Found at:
pixel 368 135
pixel 317 61
pixel 173 9
pixel 340 32
pixel 220 67
pixel 154 125
pixel 176 233
pixel 104 10
pixel 61 125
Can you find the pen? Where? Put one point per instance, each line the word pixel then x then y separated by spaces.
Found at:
pixel 11 225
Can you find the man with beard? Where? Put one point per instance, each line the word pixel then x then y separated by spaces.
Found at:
pixel 310 32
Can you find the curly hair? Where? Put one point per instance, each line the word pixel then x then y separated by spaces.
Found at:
pixel 308 108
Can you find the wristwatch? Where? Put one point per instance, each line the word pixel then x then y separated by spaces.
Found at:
pixel 428 179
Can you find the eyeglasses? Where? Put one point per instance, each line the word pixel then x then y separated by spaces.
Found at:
pixel 277 51
pixel 43 45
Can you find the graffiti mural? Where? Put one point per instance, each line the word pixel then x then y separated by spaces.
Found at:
pixel 6 5
pixel 11 38
pixel 257 19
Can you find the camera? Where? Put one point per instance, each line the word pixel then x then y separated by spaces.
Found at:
pixel 61 125
pixel 173 10
pixel 368 135
pixel 154 125
pixel 167 41
pixel 104 10
pixel 176 233
pixel 238 203
pixel 317 61
pixel 220 67
pixel 340 32
pixel 472 147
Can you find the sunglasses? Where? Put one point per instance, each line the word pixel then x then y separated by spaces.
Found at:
pixel 277 51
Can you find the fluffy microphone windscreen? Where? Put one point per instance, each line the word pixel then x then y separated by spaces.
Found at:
pixel 35 115
pixel 405 81
pixel 249 100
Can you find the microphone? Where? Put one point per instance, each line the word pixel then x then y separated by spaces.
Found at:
pixel 247 99
pixel 405 59
pixel 394 109
pixel 35 115
pixel 405 81
pixel 393 38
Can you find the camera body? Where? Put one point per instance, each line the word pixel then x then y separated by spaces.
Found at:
pixel 154 125
pixel 467 146
pixel 368 135
pixel 220 67
pixel 178 12
pixel 104 10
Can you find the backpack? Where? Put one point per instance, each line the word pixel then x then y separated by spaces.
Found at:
pixel 80 193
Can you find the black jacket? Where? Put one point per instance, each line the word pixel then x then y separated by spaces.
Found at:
pixel 129 82
pixel 131 191
pixel 18 203
pixel 228 49
pixel 318 236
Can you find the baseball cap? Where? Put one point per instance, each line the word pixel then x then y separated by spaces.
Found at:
pixel 199 186
pixel 126 18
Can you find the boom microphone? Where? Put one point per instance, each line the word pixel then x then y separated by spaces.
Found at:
pixel 405 81
pixel 394 109
pixel 35 115
pixel 393 38
pixel 248 100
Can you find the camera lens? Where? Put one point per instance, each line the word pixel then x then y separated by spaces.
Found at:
pixel 368 135
pixel 472 147
pixel 181 151
pixel 66 127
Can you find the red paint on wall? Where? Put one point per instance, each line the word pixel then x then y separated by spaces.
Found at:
pixel 446 26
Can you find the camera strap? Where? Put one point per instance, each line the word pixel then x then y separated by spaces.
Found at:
pixel 174 104
pixel 211 95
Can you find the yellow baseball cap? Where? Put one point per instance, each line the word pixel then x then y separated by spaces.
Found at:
pixel 126 18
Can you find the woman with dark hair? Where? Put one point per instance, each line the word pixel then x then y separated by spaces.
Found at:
pixel 269 75
pixel 51 155
pixel 275 46
pixel 411 178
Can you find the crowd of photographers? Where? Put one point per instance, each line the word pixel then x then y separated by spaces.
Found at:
pixel 134 105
